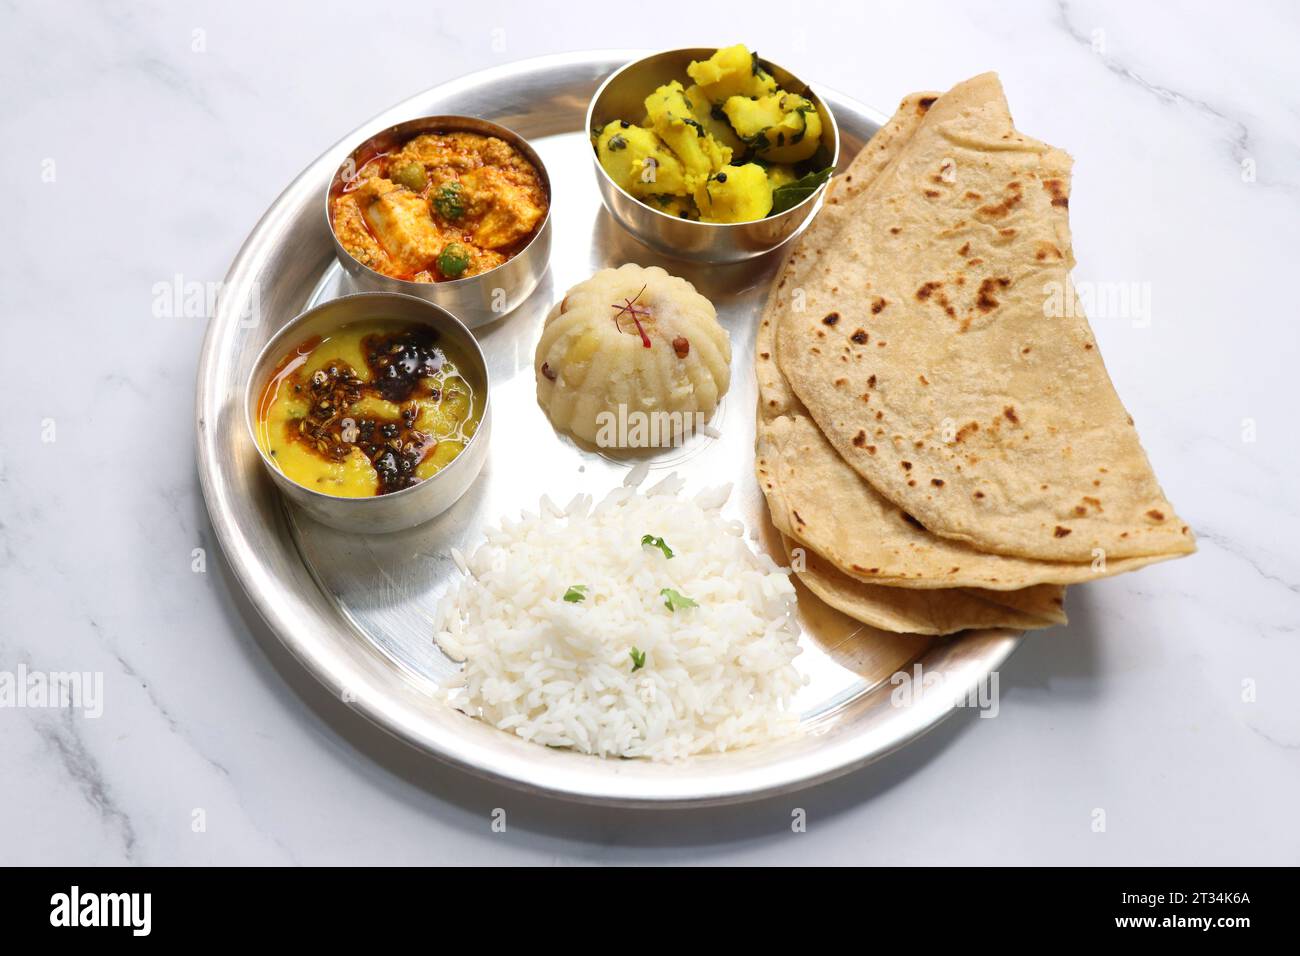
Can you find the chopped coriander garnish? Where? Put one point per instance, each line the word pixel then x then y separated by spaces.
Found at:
pixel 655 542
pixel 576 594
pixel 638 659
pixel 676 601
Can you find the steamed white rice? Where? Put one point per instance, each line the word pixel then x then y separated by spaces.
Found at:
pixel 716 677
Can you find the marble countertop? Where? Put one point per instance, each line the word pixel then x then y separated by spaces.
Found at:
pixel 156 134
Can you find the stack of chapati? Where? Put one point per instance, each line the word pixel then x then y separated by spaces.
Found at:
pixel 939 450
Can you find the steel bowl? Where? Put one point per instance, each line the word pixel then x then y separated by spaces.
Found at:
pixel 622 97
pixel 476 300
pixel 399 509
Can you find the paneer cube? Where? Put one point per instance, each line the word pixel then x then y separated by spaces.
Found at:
pixel 402 223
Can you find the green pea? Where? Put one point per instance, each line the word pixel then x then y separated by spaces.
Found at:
pixel 453 260
pixel 412 176
pixel 449 202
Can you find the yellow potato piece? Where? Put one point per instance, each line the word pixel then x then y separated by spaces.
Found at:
pixel 735 194
pixel 732 71
pixel 639 162
pixel 710 116
pixel 673 121
pixel 784 127
pixel 679 207
pixel 780 175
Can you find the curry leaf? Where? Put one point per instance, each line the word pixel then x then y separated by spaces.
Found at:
pixel 792 194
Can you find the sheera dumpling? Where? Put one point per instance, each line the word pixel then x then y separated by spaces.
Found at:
pixel 632 358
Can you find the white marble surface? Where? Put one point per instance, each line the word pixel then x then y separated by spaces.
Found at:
pixel 165 145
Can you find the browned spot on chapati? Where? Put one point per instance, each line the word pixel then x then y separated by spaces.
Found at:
pixel 1056 188
pixel 1061 532
pixel 878 305
pixel 1001 210
pixel 926 290
pixel 937 482
pixel 1156 515
pixel 984 300
pixel 1010 413
pixel 859 337
pixel 831 318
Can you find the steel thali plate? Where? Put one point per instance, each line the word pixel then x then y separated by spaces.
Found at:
pixel 357 610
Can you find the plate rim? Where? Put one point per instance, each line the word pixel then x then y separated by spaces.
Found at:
pixel 350 673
